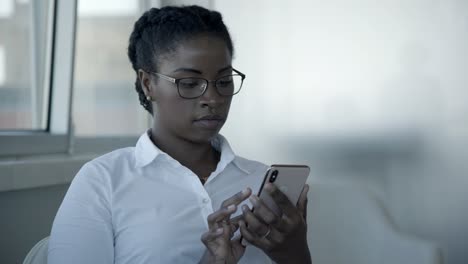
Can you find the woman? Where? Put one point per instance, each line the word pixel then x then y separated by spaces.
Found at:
pixel 154 203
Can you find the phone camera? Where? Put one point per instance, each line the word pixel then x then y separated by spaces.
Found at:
pixel 274 175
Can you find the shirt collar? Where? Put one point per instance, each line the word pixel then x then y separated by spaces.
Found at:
pixel 146 152
pixel 221 144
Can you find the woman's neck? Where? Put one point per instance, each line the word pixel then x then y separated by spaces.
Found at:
pixel 200 158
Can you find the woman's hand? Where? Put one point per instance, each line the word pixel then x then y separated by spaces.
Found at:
pixel 218 239
pixel 282 238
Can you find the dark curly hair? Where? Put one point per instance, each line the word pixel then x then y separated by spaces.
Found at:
pixel 159 31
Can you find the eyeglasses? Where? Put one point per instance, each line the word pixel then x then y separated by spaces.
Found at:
pixel 190 88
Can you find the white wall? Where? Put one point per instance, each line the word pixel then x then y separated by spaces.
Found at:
pixel 367 91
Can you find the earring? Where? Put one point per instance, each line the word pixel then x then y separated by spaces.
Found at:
pixel 149 98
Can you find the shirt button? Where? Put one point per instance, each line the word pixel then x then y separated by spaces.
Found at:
pixel 205 200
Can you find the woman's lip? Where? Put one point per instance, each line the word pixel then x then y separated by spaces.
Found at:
pixel 209 123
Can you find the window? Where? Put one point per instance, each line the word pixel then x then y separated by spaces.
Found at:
pixel 24 81
pixel 36 62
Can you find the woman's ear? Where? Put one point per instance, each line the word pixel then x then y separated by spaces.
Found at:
pixel 145 82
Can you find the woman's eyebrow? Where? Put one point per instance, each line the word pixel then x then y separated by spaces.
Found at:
pixel 199 72
pixel 187 70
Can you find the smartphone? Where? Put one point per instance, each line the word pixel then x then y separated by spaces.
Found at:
pixel 289 179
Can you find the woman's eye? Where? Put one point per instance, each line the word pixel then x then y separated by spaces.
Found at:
pixel 189 84
pixel 225 82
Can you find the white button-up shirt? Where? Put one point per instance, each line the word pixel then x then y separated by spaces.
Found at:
pixel 139 205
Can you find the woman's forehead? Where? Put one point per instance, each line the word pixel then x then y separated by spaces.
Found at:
pixel 205 53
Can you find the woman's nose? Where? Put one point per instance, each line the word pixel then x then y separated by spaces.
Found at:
pixel 211 97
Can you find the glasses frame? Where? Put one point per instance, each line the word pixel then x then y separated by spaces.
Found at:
pixel 177 80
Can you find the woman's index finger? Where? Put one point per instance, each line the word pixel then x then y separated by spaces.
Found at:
pixel 237 198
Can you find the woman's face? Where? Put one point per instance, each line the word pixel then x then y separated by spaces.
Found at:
pixel 200 119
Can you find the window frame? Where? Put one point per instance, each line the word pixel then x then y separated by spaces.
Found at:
pixel 58 80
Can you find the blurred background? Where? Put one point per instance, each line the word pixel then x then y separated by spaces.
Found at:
pixel 367 93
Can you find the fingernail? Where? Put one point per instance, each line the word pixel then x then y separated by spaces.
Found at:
pixel 245 208
pixel 245 191
pixel 231 207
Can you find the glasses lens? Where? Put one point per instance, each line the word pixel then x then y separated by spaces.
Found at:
pixel 229 85
pixel 191 87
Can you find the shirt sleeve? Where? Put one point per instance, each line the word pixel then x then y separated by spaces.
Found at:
pixel 82 229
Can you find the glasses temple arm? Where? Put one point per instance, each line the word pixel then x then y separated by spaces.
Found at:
pixel 240 73
pixel 165 77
